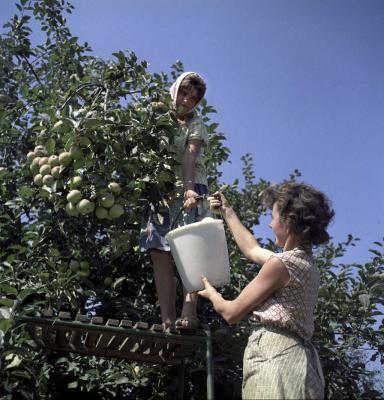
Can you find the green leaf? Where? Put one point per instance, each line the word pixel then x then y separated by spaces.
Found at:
pixel 7 302
pixel 365 300
pixel 22 374
pixel 376 252
pixel 25 293
pixel 50 145
pixel 7 289
pixel 5 324
pixel 121 380
pixel 24 90
pixel 5 314
pixel 377 288
pixel 213 126
pixel 117 283
pixel 91 123
pixel 16 361
pixel 120 56
pixel 26 192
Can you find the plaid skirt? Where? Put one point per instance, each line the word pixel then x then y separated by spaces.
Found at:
pixel 157 220
pixel 280 365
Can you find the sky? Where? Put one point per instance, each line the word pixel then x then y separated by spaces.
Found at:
pixel 298 84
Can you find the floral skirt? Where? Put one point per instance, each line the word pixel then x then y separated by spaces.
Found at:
pixel 157 220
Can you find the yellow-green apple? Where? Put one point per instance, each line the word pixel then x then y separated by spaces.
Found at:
pixel 85 206
pixel 107 200
pixel 65 159
pixel 114 187
pixel 101 212
pixel 45 169
pixel 71 210
pixel 74 196
pixel 38 179
pixel 116 211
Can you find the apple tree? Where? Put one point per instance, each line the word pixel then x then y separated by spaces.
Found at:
pixel 84 145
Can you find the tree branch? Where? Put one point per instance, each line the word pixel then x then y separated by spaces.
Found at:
pixel 79 89
pixel 32 69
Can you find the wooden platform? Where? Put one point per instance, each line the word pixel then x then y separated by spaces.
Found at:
pixel 122 339
pixel 113 338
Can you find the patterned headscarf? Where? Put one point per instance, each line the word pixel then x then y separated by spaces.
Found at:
pixel 175 88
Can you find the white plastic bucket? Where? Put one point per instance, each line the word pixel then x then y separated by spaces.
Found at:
pixel 200 249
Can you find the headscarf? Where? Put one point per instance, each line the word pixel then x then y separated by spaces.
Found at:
pixel 175 88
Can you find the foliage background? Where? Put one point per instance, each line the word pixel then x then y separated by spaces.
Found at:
pixel 120 134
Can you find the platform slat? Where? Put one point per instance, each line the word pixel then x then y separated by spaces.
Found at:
pixel 93 336
pixel 118 340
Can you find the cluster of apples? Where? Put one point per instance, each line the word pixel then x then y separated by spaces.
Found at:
pixel 77 204
pixel 47 170
pixel 80 268
pixel 107 207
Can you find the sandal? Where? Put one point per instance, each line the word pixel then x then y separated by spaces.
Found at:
pixel 187 322
pixel 169 327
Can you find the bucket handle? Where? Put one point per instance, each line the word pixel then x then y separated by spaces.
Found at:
pixel 200 197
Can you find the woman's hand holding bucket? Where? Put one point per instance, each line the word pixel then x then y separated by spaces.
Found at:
pixel 218 203
pixel 209 291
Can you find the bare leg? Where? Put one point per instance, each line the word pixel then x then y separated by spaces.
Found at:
pixel 188 317
pixel 165 283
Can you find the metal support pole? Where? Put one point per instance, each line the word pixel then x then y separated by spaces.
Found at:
pixel 209 361
pixel 181 378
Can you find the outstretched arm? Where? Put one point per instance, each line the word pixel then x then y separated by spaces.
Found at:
pixel 189 166
pixel 247 243
pixel 272 276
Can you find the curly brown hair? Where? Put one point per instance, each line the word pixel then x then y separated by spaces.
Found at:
pixel 305 210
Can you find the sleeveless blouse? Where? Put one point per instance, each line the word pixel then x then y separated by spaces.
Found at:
pixel 292 307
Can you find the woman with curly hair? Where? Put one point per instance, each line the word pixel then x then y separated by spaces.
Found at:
pixel 280 361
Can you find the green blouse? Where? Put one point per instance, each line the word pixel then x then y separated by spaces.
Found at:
pixel 193 129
